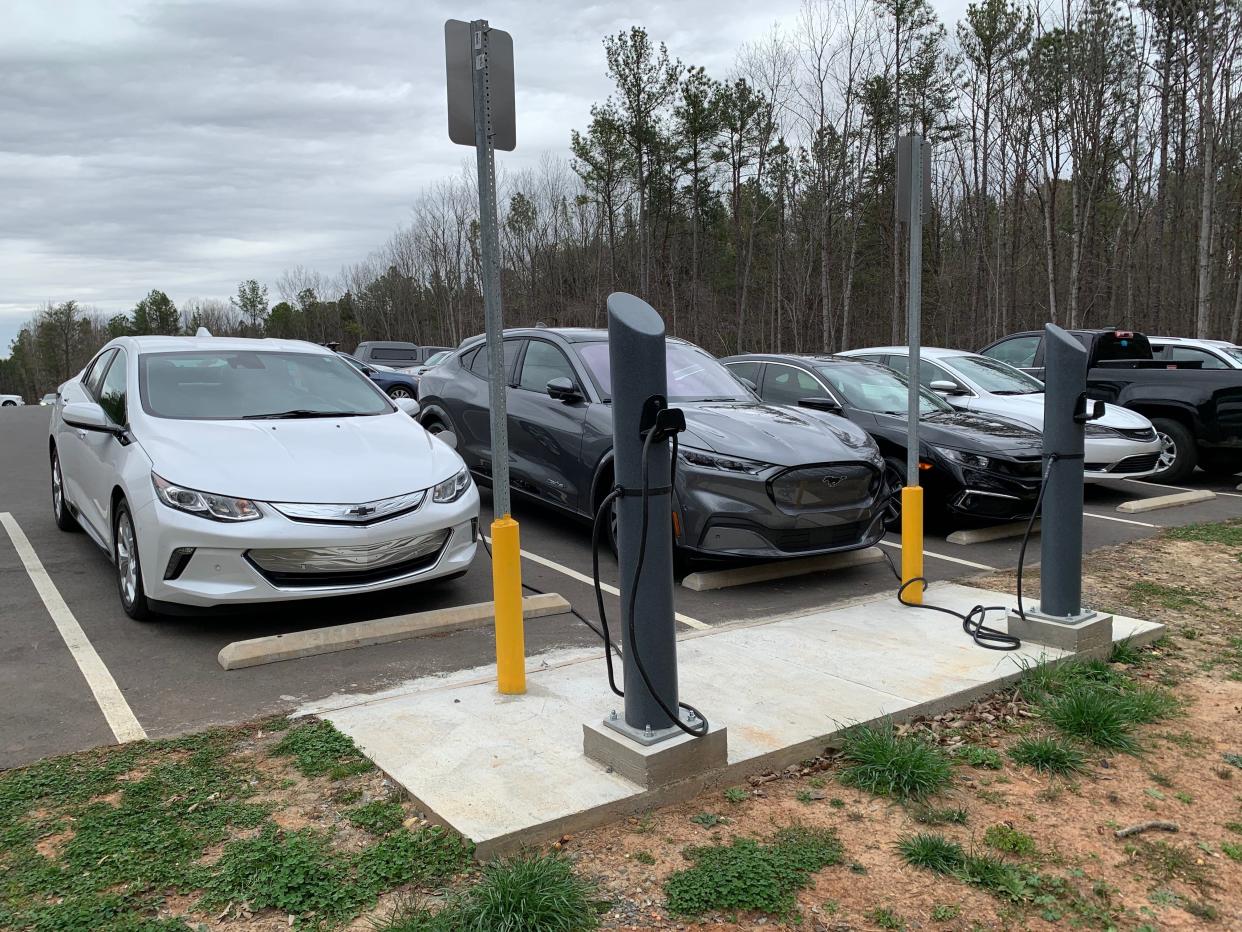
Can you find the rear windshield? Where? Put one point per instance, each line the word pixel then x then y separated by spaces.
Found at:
pixel 399 354
pixel 1120 344
pixel 237 384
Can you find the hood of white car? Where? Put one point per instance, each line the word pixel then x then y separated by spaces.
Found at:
pixel 319 460
pixel 1029 409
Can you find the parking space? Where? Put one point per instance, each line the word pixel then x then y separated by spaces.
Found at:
pixel 166 670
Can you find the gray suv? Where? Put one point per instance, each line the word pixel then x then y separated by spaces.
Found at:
pixel 753 480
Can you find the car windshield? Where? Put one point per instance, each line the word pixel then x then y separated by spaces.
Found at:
pixel 1234 353
pixel 437 358
pixel 879 390
pixel 994 376
pixel 693 375
pixel 254 384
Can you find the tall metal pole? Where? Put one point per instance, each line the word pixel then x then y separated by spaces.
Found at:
pixel 489 243
pixel 506 547
pixel 912 494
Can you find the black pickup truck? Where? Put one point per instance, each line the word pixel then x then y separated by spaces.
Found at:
pixel 1197 412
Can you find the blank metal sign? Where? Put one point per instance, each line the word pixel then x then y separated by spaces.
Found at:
pixel 458 58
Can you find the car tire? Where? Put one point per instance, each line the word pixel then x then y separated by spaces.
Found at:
pixel 60 505
pixel 128 565
pixel 400 391
pixel 9 404
pixel 894 479
pixel 1178 454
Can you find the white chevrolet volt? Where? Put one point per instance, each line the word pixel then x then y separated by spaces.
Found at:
pixel 220 471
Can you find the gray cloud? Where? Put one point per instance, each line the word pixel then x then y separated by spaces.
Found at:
pixel 186 146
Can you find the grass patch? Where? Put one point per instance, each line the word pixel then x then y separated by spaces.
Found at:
pixel 533 893
pixel 932 815
pixel 708 819
pixel 751 875
pixel 378 818
pixel 885 918
pixel 985 758
pixel 880 761
pixel 943 912
pixel 1097 716
pixel 1126 653
pixel 1009 840
pixel 736 794
pixel 1168 862
pixel 1048 755
pixel 318 750
pixel 644 857
pixel 932 852
pixel 1173 598
pixel 1228 533
pixel 942 856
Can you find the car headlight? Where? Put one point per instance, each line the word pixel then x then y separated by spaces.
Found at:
pixel 705 460
pixel 204 504
pixel 962 458
pixel 452 488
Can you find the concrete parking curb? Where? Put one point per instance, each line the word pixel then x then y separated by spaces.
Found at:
pixel 1140 505
pixel 297 644
pixel 763 572
pixel 982 535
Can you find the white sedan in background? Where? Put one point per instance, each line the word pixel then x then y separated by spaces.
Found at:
pixel 1122 443
pixel 11 401
pixel 226 471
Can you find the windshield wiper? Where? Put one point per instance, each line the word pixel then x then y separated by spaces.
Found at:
pixel 298 413
pixel 1017 391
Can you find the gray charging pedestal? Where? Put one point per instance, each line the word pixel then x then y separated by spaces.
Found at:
pixel 1060 620
pixel 645 745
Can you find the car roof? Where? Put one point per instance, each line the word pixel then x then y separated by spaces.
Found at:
pixel 804 358
pixel 389 344
pixel 568 334
pixel 1190 341
pixel 929 351
pixel 165 344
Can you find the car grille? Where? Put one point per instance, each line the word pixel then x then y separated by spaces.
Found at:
pixel 362 513
pixel 353 564
pixel 796 540
pixel 1142 462
pixel 1138 433
pixel 1027 467
pixel 813 488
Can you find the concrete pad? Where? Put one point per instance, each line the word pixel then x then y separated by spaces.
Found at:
pixel 296 644
pixel 1140 505
pixel 651 766
pixel 982 535
pixel 780 569
pixel 1091 635
pixel 507 771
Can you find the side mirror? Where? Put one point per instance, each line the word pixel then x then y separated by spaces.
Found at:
pixel 820 404
pixel 409 406
pixel 563 389
pixel 945 387
pixel 86 415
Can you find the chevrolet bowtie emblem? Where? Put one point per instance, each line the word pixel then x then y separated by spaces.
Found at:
pixel 361 511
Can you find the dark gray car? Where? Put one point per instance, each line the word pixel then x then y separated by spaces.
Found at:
pixel 753 480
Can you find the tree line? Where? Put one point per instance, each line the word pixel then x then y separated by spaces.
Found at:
pixel 1086 169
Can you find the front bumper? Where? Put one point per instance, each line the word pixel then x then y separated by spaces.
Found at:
pixel 983 494
pixel 734 515
pixel 275 559
pixel 1111 457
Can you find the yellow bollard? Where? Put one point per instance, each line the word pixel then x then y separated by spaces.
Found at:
pixel 507 592
pixel 912 541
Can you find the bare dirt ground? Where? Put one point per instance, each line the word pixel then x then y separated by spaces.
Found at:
pixel 1151 880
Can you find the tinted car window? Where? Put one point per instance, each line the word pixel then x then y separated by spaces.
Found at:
pixel 745 370
pixel 994 376
pixel 1189 354
pixel 542 363
pixel 399 355
pixel 1120 344
pixel 96 373
pixel 692 374
pixel 479 359
pixel 235 384
pixel 112 390
pixel 1020 351
pixel 785 385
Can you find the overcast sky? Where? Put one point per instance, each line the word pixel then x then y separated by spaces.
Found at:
pixel 188 145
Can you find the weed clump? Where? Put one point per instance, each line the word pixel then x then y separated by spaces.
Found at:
pixel 1048 755
pixel 318 749
pixel 880 761
pixel 751 875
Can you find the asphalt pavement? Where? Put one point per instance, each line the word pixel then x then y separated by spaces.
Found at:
pixel 166 672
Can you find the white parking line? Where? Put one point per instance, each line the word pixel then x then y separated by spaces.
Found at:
pixel 1180 488
pixel 1092 514
pixel 947 559
pixel 583 578
pixel 112 703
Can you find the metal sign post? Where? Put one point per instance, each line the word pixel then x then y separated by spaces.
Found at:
pixel 910 196
pixel 480 59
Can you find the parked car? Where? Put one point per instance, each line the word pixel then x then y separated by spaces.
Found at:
pixel 222 471
pixel 1213 354
pixel 433 360
pixel 1197 412
pixel 396 384
pixel 48 399
pixel 752 480
pixel 973 466
pixel 394 353
pixel 1123 442
pixel 11 401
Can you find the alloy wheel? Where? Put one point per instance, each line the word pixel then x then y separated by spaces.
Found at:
pixel 126 559
pixel 58 492
pixel 399 392
pixel 1168 452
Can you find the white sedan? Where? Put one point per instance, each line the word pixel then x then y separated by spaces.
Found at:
pixel 220 471
pixel 1122 443
pixel 11 401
